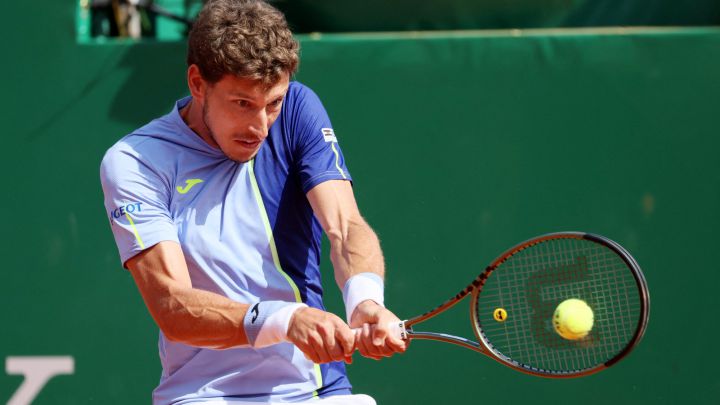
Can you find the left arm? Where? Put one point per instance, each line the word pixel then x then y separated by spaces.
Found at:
pixel 354 249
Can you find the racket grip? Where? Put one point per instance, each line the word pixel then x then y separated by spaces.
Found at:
pixel 397 329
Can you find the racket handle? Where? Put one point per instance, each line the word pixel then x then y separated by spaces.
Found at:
pixel 398 329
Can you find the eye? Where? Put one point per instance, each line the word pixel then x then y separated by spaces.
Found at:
pixel 276 103
pixel 243 103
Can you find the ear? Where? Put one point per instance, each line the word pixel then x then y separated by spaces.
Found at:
pixel 196 83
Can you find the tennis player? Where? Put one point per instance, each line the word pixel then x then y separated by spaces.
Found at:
pixel 218 209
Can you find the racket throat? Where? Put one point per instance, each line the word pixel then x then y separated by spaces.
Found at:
pixel 442 337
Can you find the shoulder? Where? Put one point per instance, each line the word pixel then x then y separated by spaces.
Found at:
pixel 297 90
pixel 156 144
pixel 303 113
pixel 123 153
pixel 140 154
pixel 132 150
pixel 124 164
pixel 302 100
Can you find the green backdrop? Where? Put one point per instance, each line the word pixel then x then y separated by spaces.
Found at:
pixel 460 144
pixel 382 15
pixel 305 16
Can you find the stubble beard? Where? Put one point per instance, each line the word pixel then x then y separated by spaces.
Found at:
pixel 206 122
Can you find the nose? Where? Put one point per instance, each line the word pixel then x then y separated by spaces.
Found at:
pixel 259 123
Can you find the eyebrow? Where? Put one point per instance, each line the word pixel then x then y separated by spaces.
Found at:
pixel 247 96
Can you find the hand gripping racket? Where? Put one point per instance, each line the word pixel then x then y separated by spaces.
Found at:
pixel 514 299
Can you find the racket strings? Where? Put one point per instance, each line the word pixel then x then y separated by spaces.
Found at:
pixel 529 286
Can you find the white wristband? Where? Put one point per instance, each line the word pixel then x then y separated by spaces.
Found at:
pixel 267 322
pixel 361 287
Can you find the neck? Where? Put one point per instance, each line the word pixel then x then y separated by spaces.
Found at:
pixel 192 114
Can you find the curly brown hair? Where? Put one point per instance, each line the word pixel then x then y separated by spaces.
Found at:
pixel 245 38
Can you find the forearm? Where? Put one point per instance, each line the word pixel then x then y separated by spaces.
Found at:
pixel 200 318
pixel 184 314
pixel 355 249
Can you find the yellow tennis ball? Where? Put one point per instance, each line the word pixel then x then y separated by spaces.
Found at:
pixel 573 319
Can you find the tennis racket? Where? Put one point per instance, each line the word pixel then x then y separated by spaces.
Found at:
pixel 513 301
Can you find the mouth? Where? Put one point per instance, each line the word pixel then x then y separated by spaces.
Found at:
pixel 248 144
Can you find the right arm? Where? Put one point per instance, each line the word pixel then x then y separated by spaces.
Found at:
pixel 184 314
pixel 137 199
pixel 205 319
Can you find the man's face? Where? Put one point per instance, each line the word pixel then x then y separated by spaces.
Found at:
pixel 238 113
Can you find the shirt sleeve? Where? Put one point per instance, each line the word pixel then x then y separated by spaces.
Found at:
pixel 136 202
pixel 317 152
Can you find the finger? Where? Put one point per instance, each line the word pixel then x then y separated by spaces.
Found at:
pixel 323 354
pixel 373 349
pixel 392 340
pixel 359 342
pixel 365 351
pixel 396 345
pixel 355 346
pixel 380 332
pixel 336 351
pixel 389 343
pixel 309 353
pixel 362 341
pixel 318 345
pixel 331 345
pixel 376 343
pixel 346 339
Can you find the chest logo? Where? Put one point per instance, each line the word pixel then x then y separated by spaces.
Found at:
pixel 189 183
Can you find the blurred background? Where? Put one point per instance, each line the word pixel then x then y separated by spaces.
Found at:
pixel 468 126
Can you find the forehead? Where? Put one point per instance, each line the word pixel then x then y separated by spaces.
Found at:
pixel 249 88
